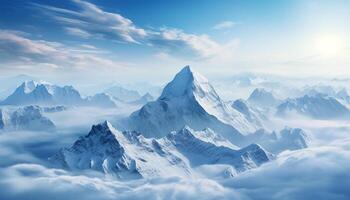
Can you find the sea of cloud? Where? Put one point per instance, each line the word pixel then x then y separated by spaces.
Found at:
pixel 318 172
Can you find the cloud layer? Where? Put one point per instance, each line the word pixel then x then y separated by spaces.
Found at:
pixel 319 172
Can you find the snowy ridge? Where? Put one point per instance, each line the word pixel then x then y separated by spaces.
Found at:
pixel 130 155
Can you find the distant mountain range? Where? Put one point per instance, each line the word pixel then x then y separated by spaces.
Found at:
pixel 317 106
pixel 42 93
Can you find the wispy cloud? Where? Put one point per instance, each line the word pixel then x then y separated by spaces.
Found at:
pixel 90 21
pixel 21 51
pixel 224 25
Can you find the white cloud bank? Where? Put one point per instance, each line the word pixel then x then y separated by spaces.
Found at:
pixel 313 173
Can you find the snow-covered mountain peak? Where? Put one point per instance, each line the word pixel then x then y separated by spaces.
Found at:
pixel 28 86
pixel 104 127
pixel 261 97
pixel 189 99
pixel 185 83
pixel 260 92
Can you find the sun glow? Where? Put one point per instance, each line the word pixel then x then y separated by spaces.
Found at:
pixel 328 44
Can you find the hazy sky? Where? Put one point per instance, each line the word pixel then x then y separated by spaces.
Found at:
pixel 139 40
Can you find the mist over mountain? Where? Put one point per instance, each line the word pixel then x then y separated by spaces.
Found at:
pixel 174 100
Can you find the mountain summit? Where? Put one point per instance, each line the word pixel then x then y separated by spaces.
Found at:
pixel 189 99
pixel 261 97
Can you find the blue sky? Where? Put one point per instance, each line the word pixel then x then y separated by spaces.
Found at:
pixel 151 40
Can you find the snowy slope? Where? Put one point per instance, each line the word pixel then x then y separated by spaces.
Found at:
pixel 189 99
pixel 317 106
pixel 24 118
pixel 251 113
pixel 129 155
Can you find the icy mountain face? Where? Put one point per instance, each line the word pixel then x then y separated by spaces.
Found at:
pixel 103 100
pixel 253 115
pixel 26 118
pixel 200 152
pixel 31 92
pixel 262 98
pixel 123 94
pixel 129 155
pixel 286 139
pixel 318 107
pixel 189 99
